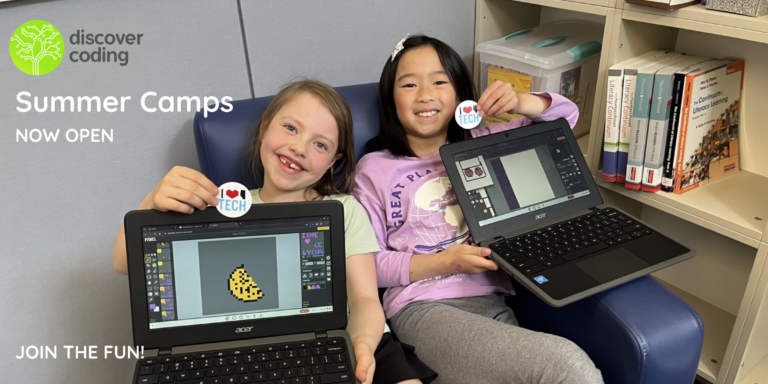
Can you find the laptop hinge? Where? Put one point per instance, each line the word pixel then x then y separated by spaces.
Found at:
pixel 497 238
pixel 320 335
pixel 163 351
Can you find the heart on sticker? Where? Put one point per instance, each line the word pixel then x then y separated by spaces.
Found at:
pixel 232 194
pixel 306 241
pixel 467 109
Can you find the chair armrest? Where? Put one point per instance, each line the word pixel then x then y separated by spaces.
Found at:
pixel 636 333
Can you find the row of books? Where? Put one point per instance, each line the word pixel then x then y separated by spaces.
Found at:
pixel 672 121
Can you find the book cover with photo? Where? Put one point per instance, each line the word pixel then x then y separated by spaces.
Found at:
pixel 708 147
pixel 676 111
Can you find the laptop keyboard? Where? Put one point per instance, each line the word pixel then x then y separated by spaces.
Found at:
pixel 316 362
pixel 549 247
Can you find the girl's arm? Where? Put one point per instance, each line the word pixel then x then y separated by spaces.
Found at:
pixel 366 317
pixel 119 257
pixel 536 108
pixel 395 268
pixel 181 190
pixel 458 258
pixel 391 266
pixel 532 104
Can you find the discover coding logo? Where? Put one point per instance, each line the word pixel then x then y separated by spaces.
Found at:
pixel 36 47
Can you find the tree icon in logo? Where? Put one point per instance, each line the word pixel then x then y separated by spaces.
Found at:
pixel 36 47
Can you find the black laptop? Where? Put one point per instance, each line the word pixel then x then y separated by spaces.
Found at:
pixel 260 298
pixel 527 195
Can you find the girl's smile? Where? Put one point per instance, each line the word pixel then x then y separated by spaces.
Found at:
pixel 427 115
pixel 290 165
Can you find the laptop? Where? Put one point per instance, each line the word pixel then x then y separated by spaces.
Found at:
pixel 527 194
pixel 260 298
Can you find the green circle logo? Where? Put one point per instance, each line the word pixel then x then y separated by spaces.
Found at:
pixel 36 47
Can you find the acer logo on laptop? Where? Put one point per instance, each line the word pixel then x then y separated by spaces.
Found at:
pixel 540 216
pixel 243 329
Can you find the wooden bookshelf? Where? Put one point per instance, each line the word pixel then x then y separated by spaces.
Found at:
pixel 733 211
pixel 758 374
pixel 721 206
pixel 584 145
pixel 746 356
pixel 596 7
pixel 698 18
pixel 717 326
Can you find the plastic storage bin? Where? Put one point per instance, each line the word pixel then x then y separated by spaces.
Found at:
pixel 560 57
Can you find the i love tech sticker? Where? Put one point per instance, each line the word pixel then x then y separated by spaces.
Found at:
pixel 234 199
pixel 466 114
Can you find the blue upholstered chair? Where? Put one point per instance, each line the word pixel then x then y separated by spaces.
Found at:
pixel 636 333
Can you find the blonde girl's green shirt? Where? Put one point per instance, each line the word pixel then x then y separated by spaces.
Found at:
pixel 358 232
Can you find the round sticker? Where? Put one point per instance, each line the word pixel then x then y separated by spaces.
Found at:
pixel 466 114
pixel 234 199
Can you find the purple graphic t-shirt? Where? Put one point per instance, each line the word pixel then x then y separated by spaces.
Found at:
pixel 414 210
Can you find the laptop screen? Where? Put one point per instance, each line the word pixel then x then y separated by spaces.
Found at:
pixel 515 177
pixel 229 271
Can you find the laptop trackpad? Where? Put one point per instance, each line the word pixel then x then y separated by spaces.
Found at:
pixel 612 265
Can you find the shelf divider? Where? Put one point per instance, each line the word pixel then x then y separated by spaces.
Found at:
pixel 729 206
pixel 595 7
pixel 717 325
pixel 760 372
pixel 698 18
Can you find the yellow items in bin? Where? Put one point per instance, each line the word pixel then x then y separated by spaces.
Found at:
pixel 520 82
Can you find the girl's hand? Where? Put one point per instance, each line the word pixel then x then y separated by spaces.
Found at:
pixel 366 363
pixel 499 98
pixel 463 258
pixel 182 190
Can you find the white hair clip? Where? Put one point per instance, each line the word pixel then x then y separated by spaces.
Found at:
pixel 399 47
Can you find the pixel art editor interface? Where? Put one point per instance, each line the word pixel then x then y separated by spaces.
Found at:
pixel 515 177
pixel 214 272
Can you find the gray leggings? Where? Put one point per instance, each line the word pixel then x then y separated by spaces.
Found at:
pixel 478 340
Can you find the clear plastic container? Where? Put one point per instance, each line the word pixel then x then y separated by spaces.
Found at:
pixel 560 57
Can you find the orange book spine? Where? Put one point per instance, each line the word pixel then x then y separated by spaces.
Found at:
pixel 683 133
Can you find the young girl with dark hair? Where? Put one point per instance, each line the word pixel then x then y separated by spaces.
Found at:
pixel 303 147
pixel 444 296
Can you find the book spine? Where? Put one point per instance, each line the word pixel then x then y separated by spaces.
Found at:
pixel 611 140
pixel 677 182
pixel 639 131
pixel 627 101
pixel 657 133
pixel 670 152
